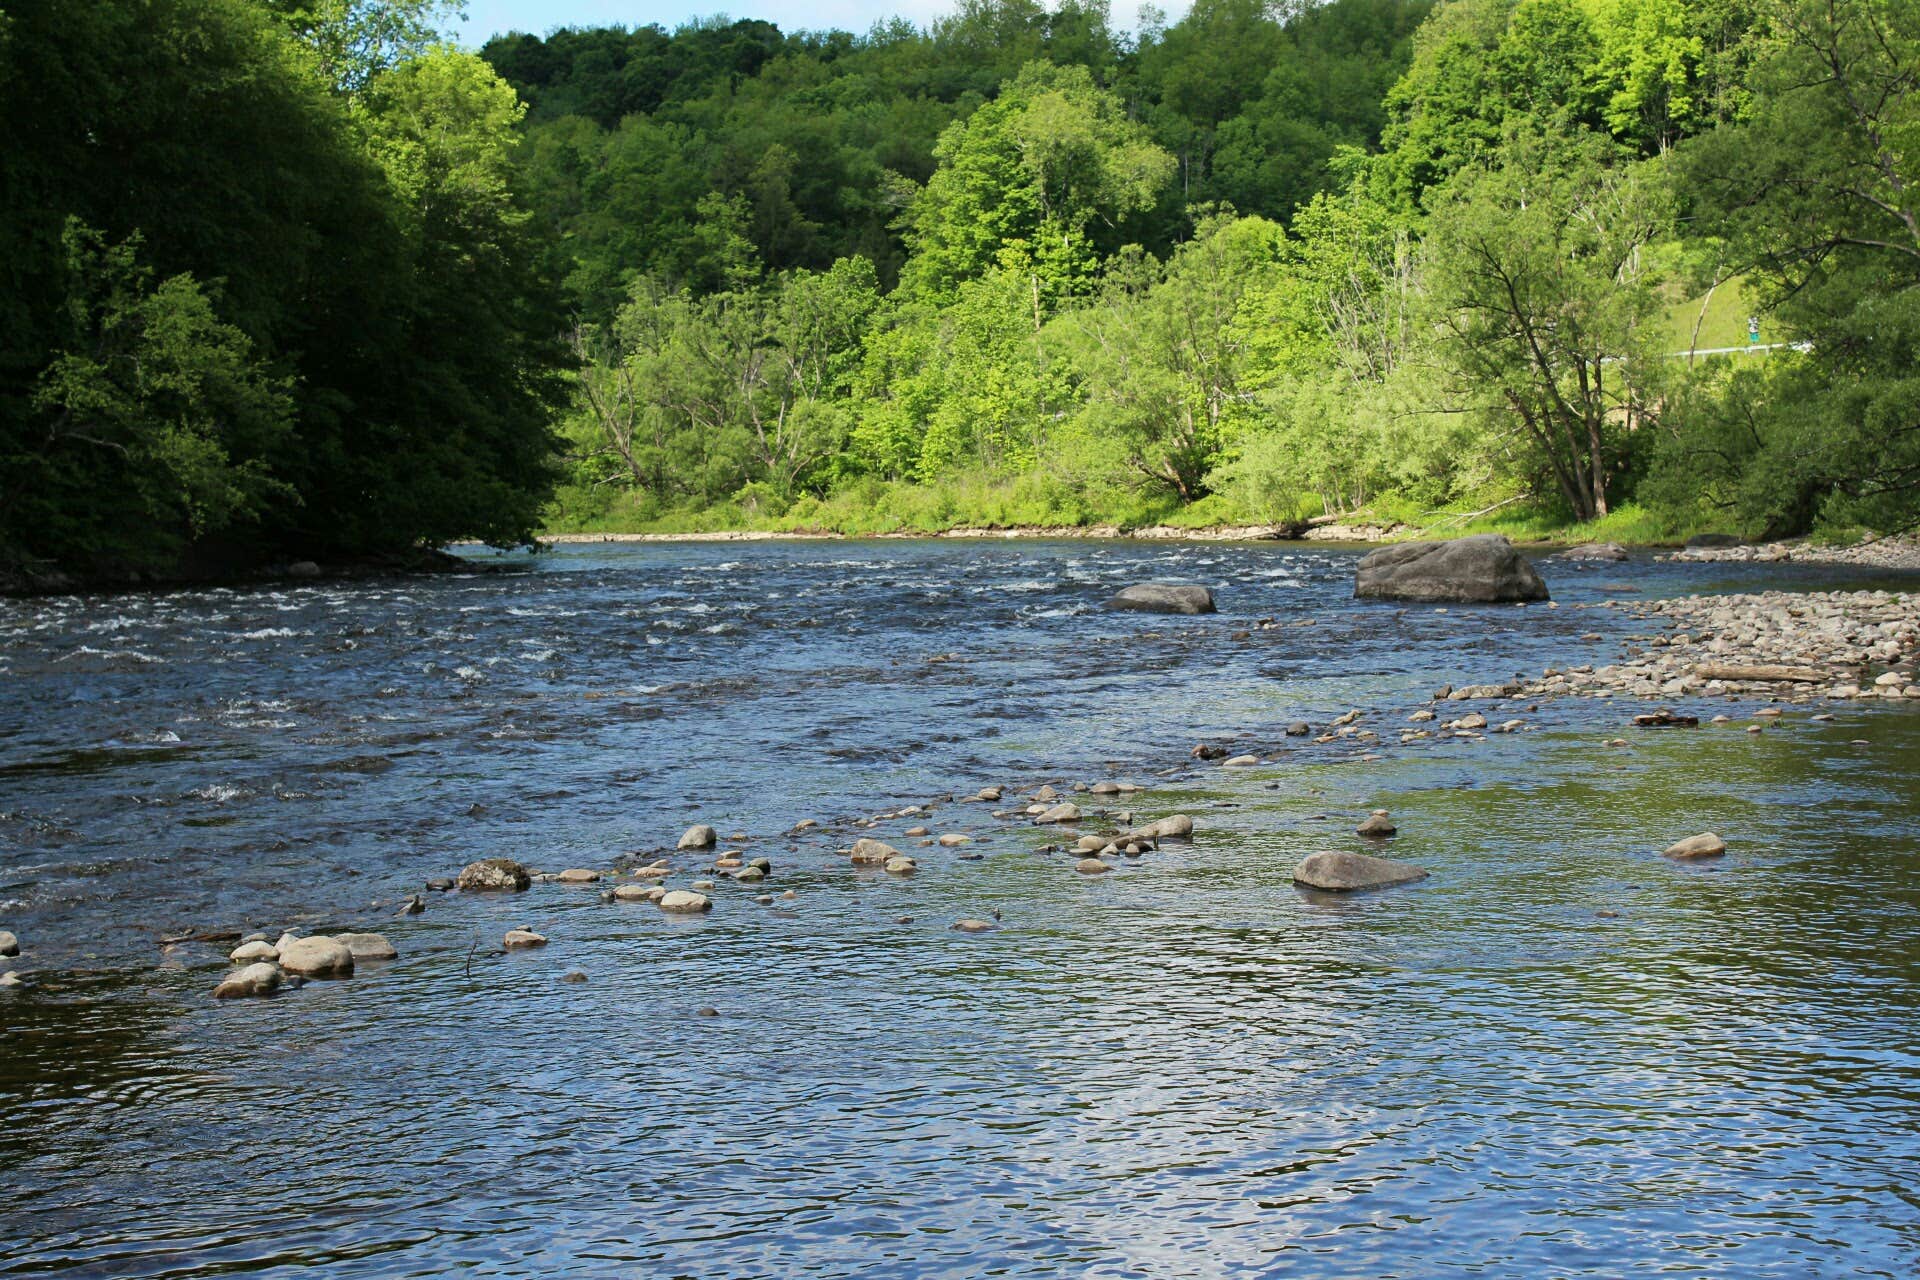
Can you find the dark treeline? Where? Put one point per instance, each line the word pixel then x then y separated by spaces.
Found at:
pixel 269 288
pixel 296 278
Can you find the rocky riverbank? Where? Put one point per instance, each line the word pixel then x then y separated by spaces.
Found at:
pixel 1315 531
pixel 1897 552
pixel 1782 646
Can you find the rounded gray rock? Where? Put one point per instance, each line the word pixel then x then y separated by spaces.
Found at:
pixel 367 946
pixel 1341 872
pixel 316 958
pixel 258 979
pixel 1164 597
pixel 1482 569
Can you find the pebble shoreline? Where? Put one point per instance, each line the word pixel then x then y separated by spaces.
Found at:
pixel 1899 552
pixel 1794 647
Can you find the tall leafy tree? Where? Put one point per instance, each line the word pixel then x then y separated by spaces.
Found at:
pixel 1050 161
pixel 1817 187
pixel 1539 284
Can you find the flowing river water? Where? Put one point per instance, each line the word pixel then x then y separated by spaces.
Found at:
pixel 1184 1068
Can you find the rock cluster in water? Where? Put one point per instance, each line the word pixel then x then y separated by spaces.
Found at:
pixel 1792 646
pixel 1881 553
pixel 1164 597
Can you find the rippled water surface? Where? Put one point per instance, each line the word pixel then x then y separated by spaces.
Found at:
pixel 1184 1068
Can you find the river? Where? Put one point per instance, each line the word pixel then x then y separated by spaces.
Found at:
pixel 1186 1068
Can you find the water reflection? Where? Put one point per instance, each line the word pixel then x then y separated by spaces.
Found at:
pixel 1185 1068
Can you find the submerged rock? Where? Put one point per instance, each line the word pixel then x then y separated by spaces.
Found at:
pixel 699 837
pixel 257 979
pixel 316 958
pixel 366 946
pixel 1596 551
pixel 685 902
pixel 974 926
pixel 901 866
pixel 1068 812
pixel 1694 848
pixel 1164 597
pixel 639 893
pixel 493 875
pixel 253 953
pixel 578 875
pixel 523 939
pixel 1341 872
pixel 953 840
pixel 1091 867
pixel 1481 569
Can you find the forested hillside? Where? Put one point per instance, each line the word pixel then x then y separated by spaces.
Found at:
pixel 1265 263
pixel 296 277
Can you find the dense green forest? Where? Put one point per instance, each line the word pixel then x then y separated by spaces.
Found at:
pixel 298 278
pixel 1263 264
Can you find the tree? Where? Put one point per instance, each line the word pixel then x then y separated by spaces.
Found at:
pixel 1817 189
pixel 356 40
pixel 457 433
pixel 1542 301
pixel 152 393
pixel 1040 165
pixel 1164 356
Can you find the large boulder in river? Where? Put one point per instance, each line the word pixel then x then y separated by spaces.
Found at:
pixel 1164 597
pixel 1342 872
pixel 1179 826
pixel 1482 569
pixel 493 875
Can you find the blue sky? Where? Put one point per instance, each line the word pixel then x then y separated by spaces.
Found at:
pixel 488 17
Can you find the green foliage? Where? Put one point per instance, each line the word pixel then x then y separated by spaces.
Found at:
pixel 1814 186
pixel 1545 311
pixel 355 40
pixel 302 310
pixel 1165 357
pixel 1033 169
pixel 152 393
pixel 293 275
